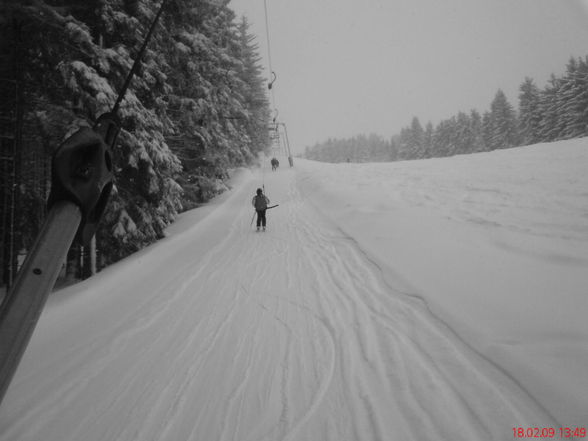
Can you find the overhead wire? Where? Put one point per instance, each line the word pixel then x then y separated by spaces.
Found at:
pixel 269 51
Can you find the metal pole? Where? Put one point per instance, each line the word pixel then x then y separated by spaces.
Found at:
pixel 290 160
pixel 23 304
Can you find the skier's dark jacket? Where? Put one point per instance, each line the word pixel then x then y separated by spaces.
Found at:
pixel 260 202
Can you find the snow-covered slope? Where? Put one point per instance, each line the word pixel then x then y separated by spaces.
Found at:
pixel 497 245
pixel 426 300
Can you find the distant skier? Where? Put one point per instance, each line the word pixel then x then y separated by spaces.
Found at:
pixel 275 164
pixel 260 203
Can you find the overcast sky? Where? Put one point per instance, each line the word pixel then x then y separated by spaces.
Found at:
pixel 346 67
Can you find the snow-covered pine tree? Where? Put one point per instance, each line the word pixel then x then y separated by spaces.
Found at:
pixel 50 34
pixel 255 99
pixel 477 130
pixel 487 130
pixel 503 121
pixel 445 137
pixel 440 141
pixel 417 139
pixel 217 106
pixel 146 197
pixel 404 146
pixel 428 140
pixel 573 100
pixel 378 148
pixel 549 110
pixel 464 135
pixel 394 148
pixel 412 141
pixel 76 58
pixel 529 116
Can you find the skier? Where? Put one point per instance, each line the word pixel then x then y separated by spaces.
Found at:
pixel 260 203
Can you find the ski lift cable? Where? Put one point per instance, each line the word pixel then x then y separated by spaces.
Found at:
pixel 269 53
pixel 270 84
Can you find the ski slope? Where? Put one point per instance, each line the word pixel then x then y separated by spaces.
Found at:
pixel 338 323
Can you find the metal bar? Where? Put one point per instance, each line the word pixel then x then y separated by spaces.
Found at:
pixel 287 141
pixel 23 304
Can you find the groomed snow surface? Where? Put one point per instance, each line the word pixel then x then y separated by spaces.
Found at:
pixel 441 299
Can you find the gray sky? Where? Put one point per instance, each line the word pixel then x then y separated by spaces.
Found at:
pixel 347 67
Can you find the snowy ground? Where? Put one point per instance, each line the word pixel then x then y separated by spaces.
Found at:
pixel 426 300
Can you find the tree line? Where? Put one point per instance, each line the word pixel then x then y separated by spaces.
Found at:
pixel 556 112
pixel 197 108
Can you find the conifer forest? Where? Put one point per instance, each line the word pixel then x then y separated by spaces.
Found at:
pixel 196 108
pixel 559 111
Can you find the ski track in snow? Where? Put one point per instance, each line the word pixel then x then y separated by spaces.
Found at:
pixel 291 334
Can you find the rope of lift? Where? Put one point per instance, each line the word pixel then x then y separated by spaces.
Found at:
pixel 269 54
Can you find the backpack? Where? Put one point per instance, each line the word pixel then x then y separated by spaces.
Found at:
pixel 260 202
